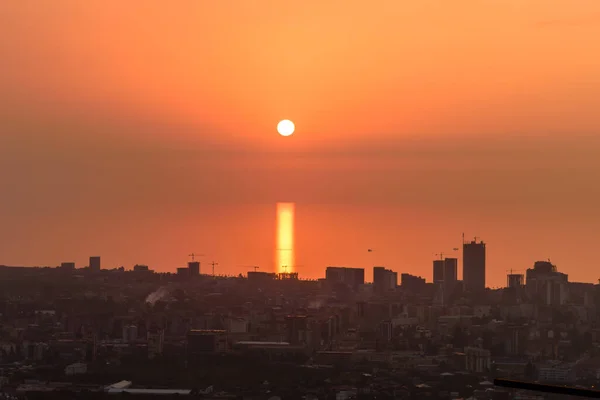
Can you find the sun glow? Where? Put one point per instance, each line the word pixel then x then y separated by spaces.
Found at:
pixel 286 127
pixel 284 250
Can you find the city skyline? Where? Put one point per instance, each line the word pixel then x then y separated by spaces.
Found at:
pixel 284 249
pixel 143 144
pixel 299 199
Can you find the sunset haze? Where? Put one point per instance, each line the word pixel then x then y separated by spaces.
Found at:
pixel 145 130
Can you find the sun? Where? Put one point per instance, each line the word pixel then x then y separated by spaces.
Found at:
pixel 285 127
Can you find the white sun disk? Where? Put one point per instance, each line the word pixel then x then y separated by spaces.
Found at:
pixel 285 127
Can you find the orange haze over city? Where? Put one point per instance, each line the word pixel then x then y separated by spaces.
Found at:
pixel 143 131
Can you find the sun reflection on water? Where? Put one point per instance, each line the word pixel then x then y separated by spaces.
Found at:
pixel 284 246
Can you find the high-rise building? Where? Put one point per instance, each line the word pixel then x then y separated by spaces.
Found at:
pixel 194 268
pixel 474 265
pixel 546 284
pixel 95 263
pixel 438 271
pixel 450 271
pixel 384 279
pixel 352 277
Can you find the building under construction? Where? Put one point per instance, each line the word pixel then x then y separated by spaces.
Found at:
pixel 515 280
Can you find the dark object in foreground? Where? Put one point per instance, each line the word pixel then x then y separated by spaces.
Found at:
pixel 538 387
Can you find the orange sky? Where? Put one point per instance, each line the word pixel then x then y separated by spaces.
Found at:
pixel 432 107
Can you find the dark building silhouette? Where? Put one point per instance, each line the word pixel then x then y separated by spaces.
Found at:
pixel 474 265
pixel 412 282
pixel 450 271
pixel 296 327
pixel 194 268
pixel 546 284
pixel 261 276
pixel 95 263
pixel 438 271
pixel 384 279
pixel 70 266
pixel 352 277
pixel 515 280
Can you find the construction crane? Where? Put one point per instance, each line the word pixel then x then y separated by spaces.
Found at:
pixel 194 255
pixel 440 255
pixel 213 267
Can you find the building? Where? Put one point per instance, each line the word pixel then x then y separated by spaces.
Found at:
pixel 68 266
pixel 297 329
pixel 352 277
pixel 384 279
pixel 206 341
pixel 559 373
pixel 477 360
pixel 445 270
pixel 438 271
pixel 183 272
pixel 474 266
pixel 75 369
pixel 130 333
pixel 194 268
pixel 546 285
pixel 261 277
pixel 140 268
pixel 282 276
pixel 156 339
pixel 450 271
pixel 515 280
pixel 95 263
pixel 411 282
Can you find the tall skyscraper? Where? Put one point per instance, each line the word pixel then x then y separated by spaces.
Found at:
pixel 95 263
pixel 474 265
pixel 438 271
pixel 450 271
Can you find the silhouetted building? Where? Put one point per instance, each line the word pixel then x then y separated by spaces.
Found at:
pixel 296 327
pixel 282 276
pixel 546 284
pixel 411 282
pixel 140 268
pixel 474 266
pixel 95 263
pixel 194 268
pixel 69 266
pixel 384 279
pixel 352 277
pixel 183 272
pixel 261 277
pixel 450 271
pixel 515 280
pixel 156 338
pixel 438 271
